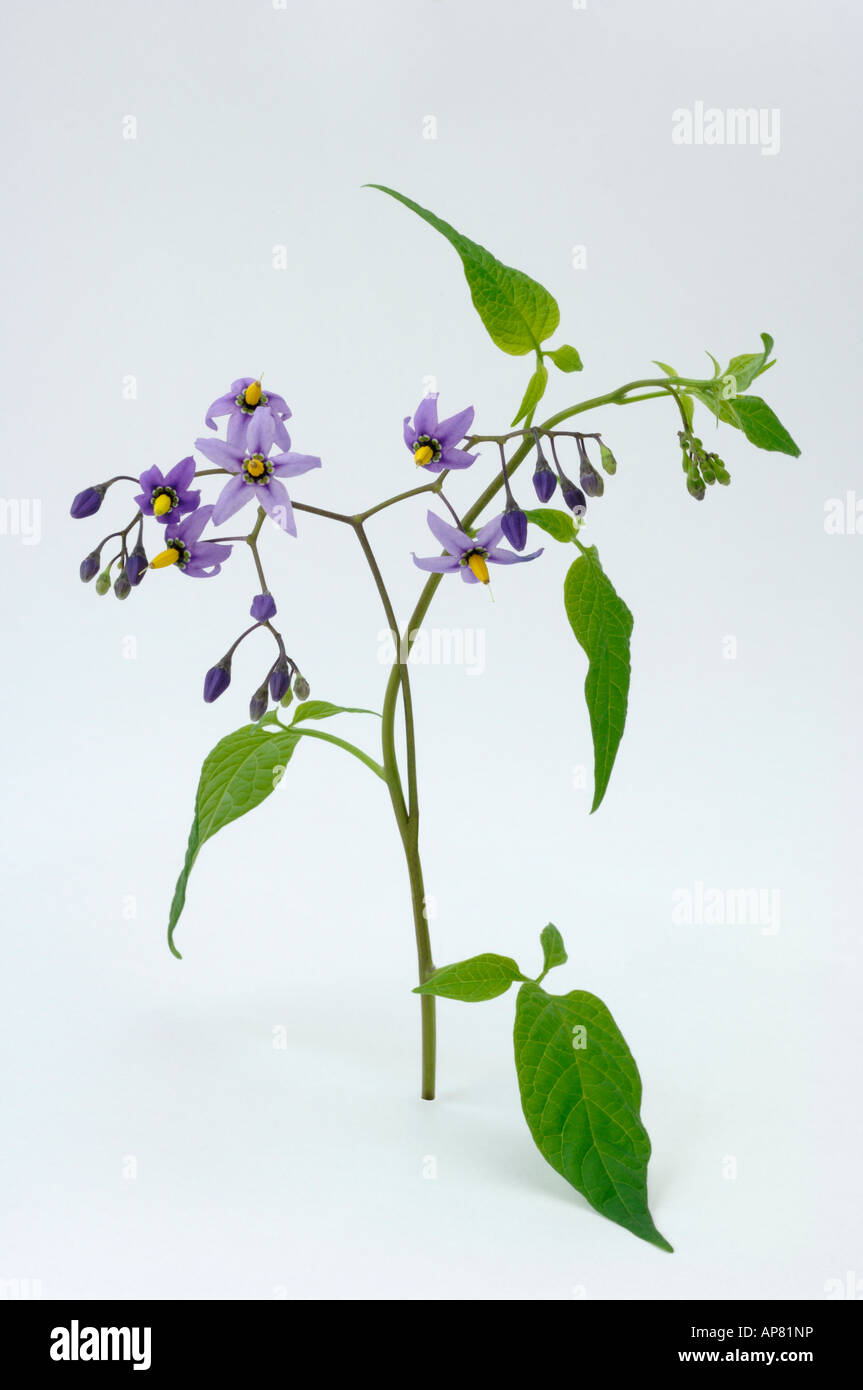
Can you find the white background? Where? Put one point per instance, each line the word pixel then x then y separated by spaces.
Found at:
pixel 298 1171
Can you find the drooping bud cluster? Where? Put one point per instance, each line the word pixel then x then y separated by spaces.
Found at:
pixel 701 468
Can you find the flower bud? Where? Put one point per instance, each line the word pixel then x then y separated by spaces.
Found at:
pixel 607 459
pixel 280 678
pixel 217 680
pixel 302 689
pixel 513 523
pixel 591 481
pixel 263 608
pixel 122 587
pixel 544 481
pixel 258 704
pixel 88 502
pixel 136 565
pixel 89 567
pixel 103 583
pixel 707 472
pixel 286 698
pixel 695 486
pixel 574 498
pixel 723 477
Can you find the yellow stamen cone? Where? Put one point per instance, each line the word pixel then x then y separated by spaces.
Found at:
pixel 253 393
pixel 255 467
pixel 162 504
pixel 478 567
pixel 423 455
pixel 165 557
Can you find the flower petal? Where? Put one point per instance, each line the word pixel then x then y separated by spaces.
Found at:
pixel 181 474
pixel 409 433
pixel 261 432
pixel 425 419
pixel 151 478
pixel 240 385
pixel 438 564
pixel 292 465
pixel 191 527
pixel 220 453
pixel 509 557
pixel 233 496
pixel 491 533
pixel 277 504
pixel 280 434
pixel 221 406
pixel 238 428
pixel 454 458
pixel 278 405
pixel 456 427
pixel 450 537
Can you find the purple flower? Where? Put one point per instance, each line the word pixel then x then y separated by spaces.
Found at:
pixel 136 565
pixel 199 559
pixel 257 475
pixel 245 400
pixel 167 498
pixel 87 503
pixel 280 679
pixel 468 555
pixel 432 442
pixel 263 608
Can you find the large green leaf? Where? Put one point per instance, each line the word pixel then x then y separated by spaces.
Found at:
pixel 473 980
pixel 581 1096
pixel 761 426
pixel 602 624
pixel 240 772
pixel 748 365
pixel 517 311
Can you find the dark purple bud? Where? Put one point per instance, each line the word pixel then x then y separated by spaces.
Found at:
pixel 263 608
pixel 302 689
pixel 544 482
pixel 122 587
pixel 258 704
pixel 88 502
pixel 591 481
pixel 136 565
pixel 280 678
pixel 217 680
pixel 574 498
pixel 89 567
pixel 513 523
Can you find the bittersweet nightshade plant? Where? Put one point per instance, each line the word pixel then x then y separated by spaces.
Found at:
pixel 579 1084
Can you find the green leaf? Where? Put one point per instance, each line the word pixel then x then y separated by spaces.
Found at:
pixel 762 427
pixel 322 709
pixel 518 313
pixel 669 371
pixel 553 949
pixel 581 1096
pixel 565 358
pixel 240 772
pixel 534 393
pixel 558 525
pixel 748 365
pixel 602 624
pixel 481 977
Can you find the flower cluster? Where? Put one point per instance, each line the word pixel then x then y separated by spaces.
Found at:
pixel 434 446
pixel 256 426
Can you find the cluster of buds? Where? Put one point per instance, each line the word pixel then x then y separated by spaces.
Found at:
pixel 546 479
pixel 167 501
pixel 702 468
pixel 281 682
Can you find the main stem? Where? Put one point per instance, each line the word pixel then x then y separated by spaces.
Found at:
pixel 407 810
